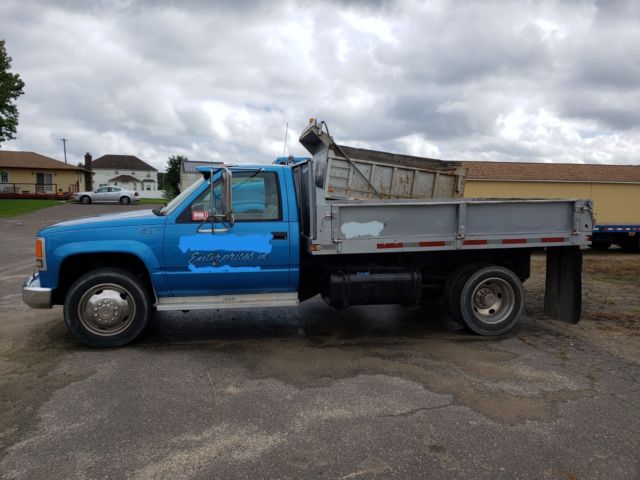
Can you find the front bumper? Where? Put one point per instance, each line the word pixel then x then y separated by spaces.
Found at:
pixel 34 295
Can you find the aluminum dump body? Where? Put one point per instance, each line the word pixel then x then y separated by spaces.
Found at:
pixel 358 227
pixel 356 173
pixel 354 201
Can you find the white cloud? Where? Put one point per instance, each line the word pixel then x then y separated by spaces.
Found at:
pixel 539 81
pixel 415 144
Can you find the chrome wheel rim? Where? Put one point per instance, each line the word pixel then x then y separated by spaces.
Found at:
pixel 106 309
pixel 493 300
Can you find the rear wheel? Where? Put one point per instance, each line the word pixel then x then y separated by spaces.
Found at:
pixel 125 200
pixel 488 299
pixel 107 308
pixel 85 199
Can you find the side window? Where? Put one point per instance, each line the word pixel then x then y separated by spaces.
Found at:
pixel 102 189
pixel 255 197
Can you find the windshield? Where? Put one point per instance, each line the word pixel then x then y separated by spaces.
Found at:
pixel 171 206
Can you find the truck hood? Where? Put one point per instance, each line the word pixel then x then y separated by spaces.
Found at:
pixel 136 217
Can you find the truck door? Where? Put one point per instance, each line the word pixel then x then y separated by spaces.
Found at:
pixel 250 256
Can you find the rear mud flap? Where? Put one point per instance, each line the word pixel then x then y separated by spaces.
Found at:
pixel 563 288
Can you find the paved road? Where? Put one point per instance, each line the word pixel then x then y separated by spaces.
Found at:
pixel 304 393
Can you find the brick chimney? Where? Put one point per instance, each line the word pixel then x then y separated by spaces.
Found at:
pixel 88 180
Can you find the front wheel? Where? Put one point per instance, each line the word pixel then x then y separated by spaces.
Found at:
pixel 107 308
pixel 488 300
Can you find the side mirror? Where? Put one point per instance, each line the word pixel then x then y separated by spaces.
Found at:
pixel 226 213
pixel 227 201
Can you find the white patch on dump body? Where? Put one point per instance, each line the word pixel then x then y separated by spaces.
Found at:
pixel 357 229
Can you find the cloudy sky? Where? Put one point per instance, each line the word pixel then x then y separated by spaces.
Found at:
pixel 490 80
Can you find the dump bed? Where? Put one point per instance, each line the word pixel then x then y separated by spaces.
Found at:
pixel 366 226
pixel 354 201
pixel 355 173
pixel 431 225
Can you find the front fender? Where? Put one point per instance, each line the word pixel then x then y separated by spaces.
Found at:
pixel 131 247
pixel 134 247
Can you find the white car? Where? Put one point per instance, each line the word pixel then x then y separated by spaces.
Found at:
pixel 107 195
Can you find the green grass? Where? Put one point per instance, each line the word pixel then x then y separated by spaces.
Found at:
pixel 20 206
pixel 153 201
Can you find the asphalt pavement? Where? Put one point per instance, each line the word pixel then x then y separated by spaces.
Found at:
pixel 306 392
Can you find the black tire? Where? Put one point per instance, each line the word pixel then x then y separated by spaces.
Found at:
pixel 121 302
pixel 487 300
pixel 85 199
pixel 125 200
pixel 601 245
pixel 454 283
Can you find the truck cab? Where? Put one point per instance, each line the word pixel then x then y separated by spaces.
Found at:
pixel 249 246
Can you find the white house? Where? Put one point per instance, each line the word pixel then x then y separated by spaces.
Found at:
pixel 126 171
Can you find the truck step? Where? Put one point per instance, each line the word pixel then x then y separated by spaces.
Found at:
pixel 228 301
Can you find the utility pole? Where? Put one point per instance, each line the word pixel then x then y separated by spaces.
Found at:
pixel 64 146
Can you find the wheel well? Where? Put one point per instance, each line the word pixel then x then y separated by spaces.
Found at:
pixel 75 266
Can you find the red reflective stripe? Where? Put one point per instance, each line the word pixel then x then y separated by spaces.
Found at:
pixel 390 245
pixel 553 240
pixel 509 241
pixel 474 242
pixel 432 244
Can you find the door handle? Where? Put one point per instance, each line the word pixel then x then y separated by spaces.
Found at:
pixel 215 230
pixel 279 235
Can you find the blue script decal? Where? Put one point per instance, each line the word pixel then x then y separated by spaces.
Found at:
pixel 212 254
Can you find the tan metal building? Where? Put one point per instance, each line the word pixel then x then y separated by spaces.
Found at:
pixel 615 189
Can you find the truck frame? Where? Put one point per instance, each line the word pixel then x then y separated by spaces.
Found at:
pixel 235 240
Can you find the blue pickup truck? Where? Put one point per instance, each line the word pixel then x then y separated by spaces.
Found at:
pixel 274 235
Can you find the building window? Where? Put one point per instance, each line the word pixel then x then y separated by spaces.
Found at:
pixel 102 185
pixel 4 177
pixel 148 187
pixel 116 172
pixel 148 174
pixel 133 173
